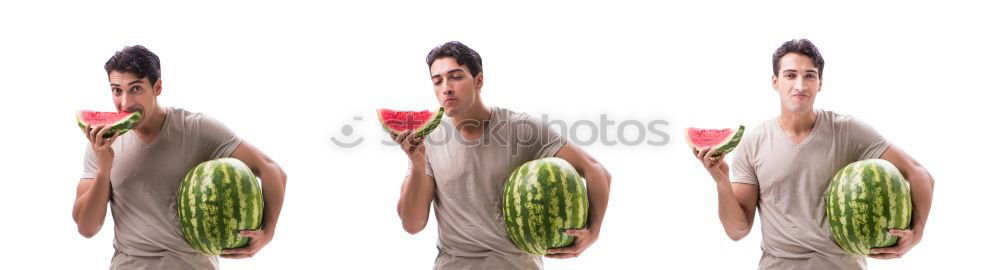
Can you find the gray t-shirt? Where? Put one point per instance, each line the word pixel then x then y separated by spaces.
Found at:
pixel 470 176
pixel 144 183
pixel 793 178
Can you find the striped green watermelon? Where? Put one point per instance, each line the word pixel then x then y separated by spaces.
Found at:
pixel 864 200
pixel 722 140
pixel 541 200
pixel 218 199
pixel 120 122
pixel 421 122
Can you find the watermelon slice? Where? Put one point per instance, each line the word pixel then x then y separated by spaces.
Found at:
pixel 120 122
pixel 722 140
pixel 422 122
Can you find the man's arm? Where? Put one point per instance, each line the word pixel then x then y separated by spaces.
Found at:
pixel 92 195
pixel 598 189
pixel 417 192
pixel 415 197
pixel 737 207
pixel 273 180
pixel 921 192
pixel 91 204
pixel 737 201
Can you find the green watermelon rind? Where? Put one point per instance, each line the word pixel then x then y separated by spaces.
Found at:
pixel 427 128
pixel 120 127
pixel 539 224
pixel 887 196
pixel 201 212
pixel 727 146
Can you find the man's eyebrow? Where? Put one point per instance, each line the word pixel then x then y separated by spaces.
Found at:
pixel 446 72
pixel 130 83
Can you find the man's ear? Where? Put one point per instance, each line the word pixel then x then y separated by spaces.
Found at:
pixel 774 82
pixel 158 87
pixel 479 81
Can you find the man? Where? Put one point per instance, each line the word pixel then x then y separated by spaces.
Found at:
pixel 465 162
pixel 784 166
pixel 139 172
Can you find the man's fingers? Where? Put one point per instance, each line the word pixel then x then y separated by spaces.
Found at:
pixel 251 233
pixel 702 152
pixel 400 137
pixel 236 256
pixel 562 255
pixel 243 250
pixel 886 250
pixel 559 250
pixel 577 233
pixel 100 134
pixel 570 249
pixel 92 133
pixel 709 154
pixel 413 139
pixel 900 233
pixel 112 139
pixel 885 256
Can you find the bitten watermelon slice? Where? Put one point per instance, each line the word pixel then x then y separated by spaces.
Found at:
pixel 722 140
pixel 120 122
pixel 421 122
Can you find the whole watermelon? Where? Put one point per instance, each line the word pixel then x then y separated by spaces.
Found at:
pixel 541 200
pixel 218 199
pixel 864 200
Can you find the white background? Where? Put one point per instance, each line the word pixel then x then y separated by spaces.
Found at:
pixel 286 77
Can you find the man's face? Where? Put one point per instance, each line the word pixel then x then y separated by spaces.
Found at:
pixel 132 93
pixel 455 87
pixel 797 82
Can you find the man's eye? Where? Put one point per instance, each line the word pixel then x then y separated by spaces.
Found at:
pixel 116 91
pixel 135 89
pixel 456 77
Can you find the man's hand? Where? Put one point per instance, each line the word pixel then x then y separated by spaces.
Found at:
pixel 101 146
pixel 716 166
pixel 412 145
pixel 258 239
pixel 584 238
pixel 907 239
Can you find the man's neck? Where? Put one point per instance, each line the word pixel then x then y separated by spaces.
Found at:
pixel 149 130
pixel 472 123
pixel 797 124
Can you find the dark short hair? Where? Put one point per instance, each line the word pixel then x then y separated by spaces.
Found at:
pixel 799 46
pixel 136 60
pixel 462 54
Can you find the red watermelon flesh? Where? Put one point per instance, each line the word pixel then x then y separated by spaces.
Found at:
pixel 120 122
pixel 102 118
pixel 722 140
pixel 421 122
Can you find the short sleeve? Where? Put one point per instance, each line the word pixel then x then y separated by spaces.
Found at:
pixel 216 139
pixel 865 141
pixel 427 167
pixel 537 139
pixel 89 163
pixel 743 170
